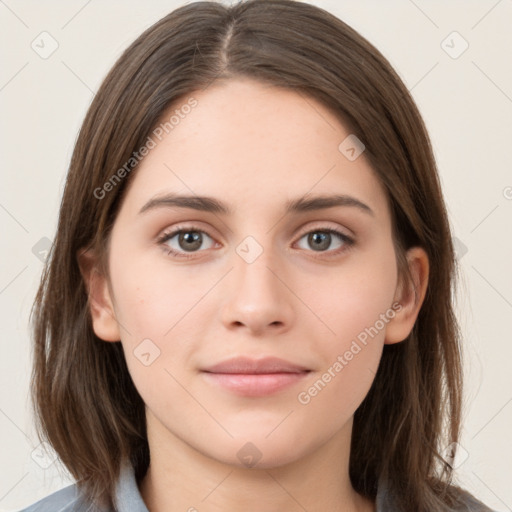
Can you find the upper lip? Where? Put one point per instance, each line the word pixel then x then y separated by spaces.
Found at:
pixel 256 366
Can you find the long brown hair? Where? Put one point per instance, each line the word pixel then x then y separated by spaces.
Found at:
pixel 85 402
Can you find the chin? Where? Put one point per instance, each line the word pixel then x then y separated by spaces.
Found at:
pixel 256 452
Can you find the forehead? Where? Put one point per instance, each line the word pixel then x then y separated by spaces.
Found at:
pixel 252 144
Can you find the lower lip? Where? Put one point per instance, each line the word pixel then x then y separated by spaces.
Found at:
pixel 255 384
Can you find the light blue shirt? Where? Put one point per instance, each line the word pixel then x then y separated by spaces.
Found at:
pixel 129 499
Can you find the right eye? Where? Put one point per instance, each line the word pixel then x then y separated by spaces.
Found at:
pixel 189 240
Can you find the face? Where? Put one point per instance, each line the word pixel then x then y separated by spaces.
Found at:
pixel 191 288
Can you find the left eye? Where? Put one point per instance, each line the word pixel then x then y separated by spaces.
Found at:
pixel 320 239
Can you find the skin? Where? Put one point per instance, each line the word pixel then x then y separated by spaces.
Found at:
pixel 253 147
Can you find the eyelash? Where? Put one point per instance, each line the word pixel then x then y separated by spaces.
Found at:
pixel 166 236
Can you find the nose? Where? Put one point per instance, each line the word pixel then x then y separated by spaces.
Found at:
pixel 259 299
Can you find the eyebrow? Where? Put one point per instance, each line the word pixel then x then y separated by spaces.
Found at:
pixel 210 204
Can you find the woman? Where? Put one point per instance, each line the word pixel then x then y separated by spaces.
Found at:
pixel 248 302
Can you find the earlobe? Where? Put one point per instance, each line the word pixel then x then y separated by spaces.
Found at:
pixel 410 296
pixel 100 301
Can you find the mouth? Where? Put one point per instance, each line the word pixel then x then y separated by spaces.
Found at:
pixel 255 377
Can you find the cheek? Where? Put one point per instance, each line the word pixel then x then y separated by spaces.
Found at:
pixel 159 306
pixel 356 297
pixel 357 306
pixel 153 304
pixel 152 295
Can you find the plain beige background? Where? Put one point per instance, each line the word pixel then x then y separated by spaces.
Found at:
pixel 462 83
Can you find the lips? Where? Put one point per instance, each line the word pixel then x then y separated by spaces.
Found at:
pixel 255 377
pixel 247 365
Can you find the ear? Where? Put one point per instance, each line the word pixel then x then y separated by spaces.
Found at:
pixel 100 301
pixel 410 296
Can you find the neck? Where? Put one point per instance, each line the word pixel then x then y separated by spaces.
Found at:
pixel 180 478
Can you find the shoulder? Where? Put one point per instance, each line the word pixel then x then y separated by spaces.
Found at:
pixel 63 500
pixel 468 503
pixel 454 499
